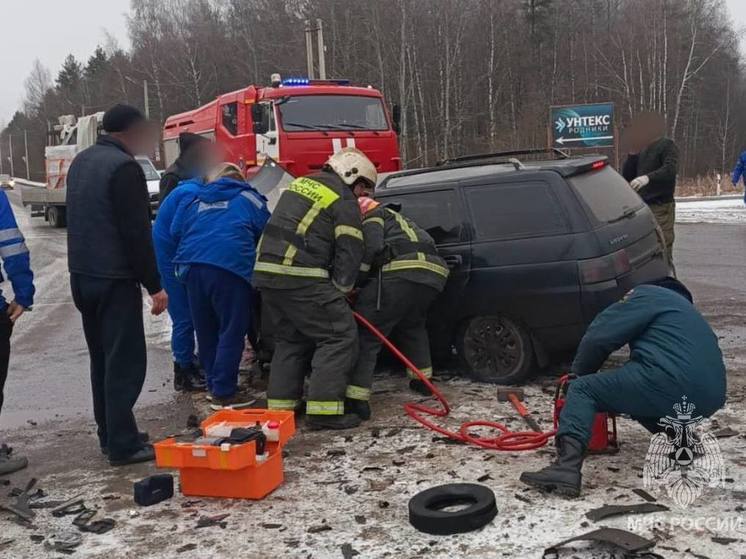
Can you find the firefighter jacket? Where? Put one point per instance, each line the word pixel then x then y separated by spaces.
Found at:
pixel 397 245
pixel 314 235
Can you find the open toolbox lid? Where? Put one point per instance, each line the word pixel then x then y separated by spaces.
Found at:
pixel 171 453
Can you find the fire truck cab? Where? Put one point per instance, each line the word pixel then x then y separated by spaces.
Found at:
pixel 297 122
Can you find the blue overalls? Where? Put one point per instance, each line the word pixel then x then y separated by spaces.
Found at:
pixel 217 234
pixel 674 353
pixel 182 332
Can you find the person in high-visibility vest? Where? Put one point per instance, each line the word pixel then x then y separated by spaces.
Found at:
pixel 307 262
pixel 402 275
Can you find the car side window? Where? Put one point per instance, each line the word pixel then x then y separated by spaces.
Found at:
pixel 515 211
pixel 437 212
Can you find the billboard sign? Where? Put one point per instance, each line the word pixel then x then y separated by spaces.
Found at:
pixel 583 126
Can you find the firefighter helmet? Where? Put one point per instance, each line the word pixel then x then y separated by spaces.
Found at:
pixel 367 204
pixel 352 164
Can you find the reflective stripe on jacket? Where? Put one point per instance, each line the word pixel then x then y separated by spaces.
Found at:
pixel 397 245
pixel 15 257
pixel 314 234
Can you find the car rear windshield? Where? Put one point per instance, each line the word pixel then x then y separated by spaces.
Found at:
pixel 332 112
pixel 606 194
pixel 147 167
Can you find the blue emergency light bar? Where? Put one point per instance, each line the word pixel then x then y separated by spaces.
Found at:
pixel 294 82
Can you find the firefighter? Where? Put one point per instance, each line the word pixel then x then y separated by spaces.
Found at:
pixel 307 261
pixel 673 354
pixel 400 276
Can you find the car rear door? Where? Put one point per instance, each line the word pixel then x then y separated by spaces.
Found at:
pixel 524 255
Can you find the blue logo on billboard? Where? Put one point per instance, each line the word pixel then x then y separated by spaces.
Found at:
pixel 583 126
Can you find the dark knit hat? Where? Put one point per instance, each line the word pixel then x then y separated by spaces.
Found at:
pixel 121 117
pixel 189 139
pixel 674 285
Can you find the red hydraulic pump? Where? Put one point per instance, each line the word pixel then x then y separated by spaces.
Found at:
pixel 603 434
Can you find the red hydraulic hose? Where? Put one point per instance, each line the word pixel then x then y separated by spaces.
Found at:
pixel 507 440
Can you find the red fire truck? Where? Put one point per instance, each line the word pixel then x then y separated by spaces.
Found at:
pixel 296 122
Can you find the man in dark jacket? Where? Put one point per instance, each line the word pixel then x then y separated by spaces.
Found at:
pixel 673 354
pixel 194 160
pixel 307 261
pixel 110 255
pixel 651 167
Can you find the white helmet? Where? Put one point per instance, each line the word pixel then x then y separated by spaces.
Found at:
pixel 352 164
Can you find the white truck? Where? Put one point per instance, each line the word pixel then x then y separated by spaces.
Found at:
pixel 68 138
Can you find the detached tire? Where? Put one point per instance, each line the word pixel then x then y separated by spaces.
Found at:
pixel 56 216
pixel 427 514
pixel 496 349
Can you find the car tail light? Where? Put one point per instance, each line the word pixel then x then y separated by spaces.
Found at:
pixel 605 268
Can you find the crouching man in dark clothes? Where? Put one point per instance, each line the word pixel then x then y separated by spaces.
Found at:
pixel 110 255
pixel 673 354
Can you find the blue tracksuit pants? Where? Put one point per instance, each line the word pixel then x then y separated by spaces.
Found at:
pixel 220 302
pixel 182 331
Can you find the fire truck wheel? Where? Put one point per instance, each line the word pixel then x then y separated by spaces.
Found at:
pixel 56 216
pixel 434 511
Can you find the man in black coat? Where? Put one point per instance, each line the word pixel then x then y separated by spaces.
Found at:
pixel 110 256
pixel 195 158
pixel 651 167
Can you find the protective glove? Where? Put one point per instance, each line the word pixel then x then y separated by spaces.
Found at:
pixel 640 182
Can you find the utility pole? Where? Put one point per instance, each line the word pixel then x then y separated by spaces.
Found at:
pixel 320 40
pixel 1 158
pixel 309 49
pixel 25 144
pixel 10 147
pixel 145 97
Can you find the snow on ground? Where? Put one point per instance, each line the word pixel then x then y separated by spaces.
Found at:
pixel 711 211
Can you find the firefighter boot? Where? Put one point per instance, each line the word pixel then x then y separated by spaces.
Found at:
pixel 345 421
pixel 361 408
pixel 418 386
pixel 563 476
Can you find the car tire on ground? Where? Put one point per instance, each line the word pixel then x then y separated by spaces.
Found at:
pixel 427 509
pixel 56 216
pixel 496 349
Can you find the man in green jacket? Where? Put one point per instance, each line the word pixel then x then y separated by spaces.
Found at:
pixel 673 354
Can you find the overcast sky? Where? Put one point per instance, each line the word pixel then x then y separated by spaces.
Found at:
pixel 51 29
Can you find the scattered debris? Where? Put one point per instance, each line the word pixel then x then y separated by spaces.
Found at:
pixel 406 449
pixel 383 504
pixel 111 497
pixel 620 538
pixel 608 511
pixel 208 521
pixel 20 505
pixel 394 431
pixel 270 526
pixel 484 478
pixel 724 541
pixel 71 506
pixel 645 495
pixel 153 489
pixel 524 499
pixel 318 529
pixel 336 452
pixel 725 432
pixel 186 547
pixel 372 469
pixel 348 552
pixel 398 462
pixel 64 542
pixel 360 519
pixel 36 538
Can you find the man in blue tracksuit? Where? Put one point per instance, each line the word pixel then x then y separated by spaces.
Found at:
pixel 673 354
pixel 739 172
pixel 217 232
pixel 186 375
pixel 16 263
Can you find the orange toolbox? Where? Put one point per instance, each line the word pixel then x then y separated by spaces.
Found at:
pixel 231 470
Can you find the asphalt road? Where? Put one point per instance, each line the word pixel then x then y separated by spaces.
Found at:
pixel 49 365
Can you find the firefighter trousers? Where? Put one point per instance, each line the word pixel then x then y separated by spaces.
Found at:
pixel 315 333
pixel 403 314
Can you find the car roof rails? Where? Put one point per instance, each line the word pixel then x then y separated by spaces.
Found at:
pixel 482 156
